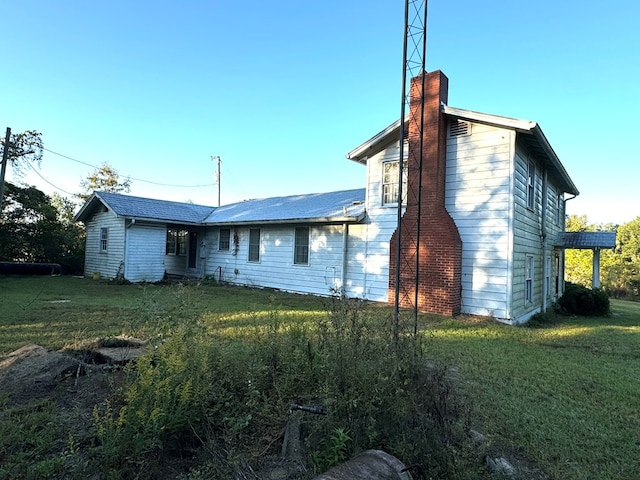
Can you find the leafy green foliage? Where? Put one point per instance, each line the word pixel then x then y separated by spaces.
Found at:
pixel 25 149
pixel 620 268
pixel 105 178
pixel 32 229
pixel 579 300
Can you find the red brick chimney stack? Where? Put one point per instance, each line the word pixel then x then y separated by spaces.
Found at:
pixel 440 246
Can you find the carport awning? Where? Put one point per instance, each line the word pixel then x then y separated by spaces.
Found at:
pixel 591 240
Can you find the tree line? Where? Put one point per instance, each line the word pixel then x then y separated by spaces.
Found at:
pixel 619 268
pixel 35 227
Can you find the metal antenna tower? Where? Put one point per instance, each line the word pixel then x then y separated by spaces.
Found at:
pixel 414 60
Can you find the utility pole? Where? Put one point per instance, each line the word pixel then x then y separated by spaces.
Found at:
pixel 5 158
pixel 217 158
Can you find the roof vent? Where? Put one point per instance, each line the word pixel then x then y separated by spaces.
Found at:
pixel 459 128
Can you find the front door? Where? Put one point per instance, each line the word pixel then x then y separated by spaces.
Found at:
pixel 193 249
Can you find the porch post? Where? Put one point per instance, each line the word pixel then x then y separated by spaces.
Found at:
pixel 595 279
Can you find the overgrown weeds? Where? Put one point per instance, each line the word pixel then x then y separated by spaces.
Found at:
pixel 230 395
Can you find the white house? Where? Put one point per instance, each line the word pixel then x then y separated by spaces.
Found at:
pixel 482 222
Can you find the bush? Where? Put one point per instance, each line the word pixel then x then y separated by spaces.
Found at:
pixel 580 300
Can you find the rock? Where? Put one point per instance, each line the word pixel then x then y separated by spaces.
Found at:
pixel 31 371
pixel 500 466
pixel 369 465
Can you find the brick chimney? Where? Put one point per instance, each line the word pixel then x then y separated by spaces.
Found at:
pixel 440 247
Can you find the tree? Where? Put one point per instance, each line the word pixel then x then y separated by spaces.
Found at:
pixel 619 269
pixel 105 178
pixel 32 229
pixel 24 149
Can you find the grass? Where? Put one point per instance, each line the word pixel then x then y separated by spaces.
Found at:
pixel 568 394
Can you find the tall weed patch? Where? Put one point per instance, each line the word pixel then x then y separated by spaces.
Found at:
pixel 230 392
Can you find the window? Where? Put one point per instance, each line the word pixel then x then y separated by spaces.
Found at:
pixel 224 239
pixel 390 177
pixel 254 245
pixel 559 210
pixel 172 241
pixel 182 242
pixel 547 277
pixel 176 242
pixel 557 274
pixel 301 246
pixel 531 186
pixel 528 279
pixel 104 239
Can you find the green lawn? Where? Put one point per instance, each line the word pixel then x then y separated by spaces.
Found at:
pixel 567 394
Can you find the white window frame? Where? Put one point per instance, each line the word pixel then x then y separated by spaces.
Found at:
pixel 389 184
pixel 104 239
pixel 301 243
pixel 547 278
pixel 557 274
pixel 253 254
pixel 559 209
pixel 172 241
pixel 531 185
pixel 224 239
pixel 528 279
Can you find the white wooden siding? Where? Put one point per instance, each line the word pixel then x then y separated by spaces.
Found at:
pixel 527 238
pixel 369 242
pixel 276 269
pixel 367 274
pixel 108 263
pixel 478 199
pixel 145 252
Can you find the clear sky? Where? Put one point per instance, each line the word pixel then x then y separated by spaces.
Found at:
pixel 282 90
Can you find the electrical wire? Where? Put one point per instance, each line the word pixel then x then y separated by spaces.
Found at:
pixel 47 181
pixel 129 177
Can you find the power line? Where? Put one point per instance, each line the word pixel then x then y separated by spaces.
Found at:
pixel 47 181
pixel 132 178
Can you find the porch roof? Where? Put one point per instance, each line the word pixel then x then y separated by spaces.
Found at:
pixel 581 240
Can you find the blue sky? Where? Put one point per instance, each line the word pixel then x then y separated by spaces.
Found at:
pixel 282 90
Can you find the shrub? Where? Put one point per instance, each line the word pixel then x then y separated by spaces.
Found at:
pixel 580 300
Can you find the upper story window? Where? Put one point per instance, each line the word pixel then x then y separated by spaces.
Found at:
pixel 559 210
pixel 224 239
pixel 531 186
pixel 104 239
pixel 254 245
pixel 301 246
pixel 390 176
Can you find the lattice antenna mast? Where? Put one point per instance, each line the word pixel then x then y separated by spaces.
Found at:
pixel 413 64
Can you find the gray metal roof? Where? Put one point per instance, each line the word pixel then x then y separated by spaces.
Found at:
pixel 145 208
pixel 528 132
pixel 587 240
pixel 331 207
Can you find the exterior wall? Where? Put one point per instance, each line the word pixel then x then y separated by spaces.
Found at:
pixel 276 268
pixel 368 265
pixel 109 263
pixel 534 234
pixel 145 252
pixel 478 199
